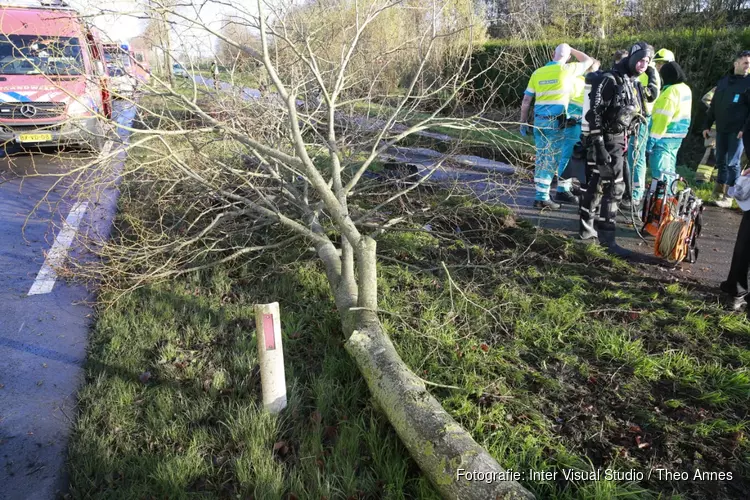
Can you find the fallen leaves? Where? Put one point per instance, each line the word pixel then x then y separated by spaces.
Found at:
pixel 330 435
pixel 281 448
pixel 640 443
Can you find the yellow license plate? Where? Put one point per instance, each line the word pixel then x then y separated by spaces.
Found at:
pixel 34 137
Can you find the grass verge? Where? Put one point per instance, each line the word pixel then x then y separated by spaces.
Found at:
pixel 565 360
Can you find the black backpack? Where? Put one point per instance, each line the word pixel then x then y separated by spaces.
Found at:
pixel 618 118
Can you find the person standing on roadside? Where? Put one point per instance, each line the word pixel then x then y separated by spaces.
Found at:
pixel 736 285
pixel 635 174
pixel 573 134
pixel 670 124
pixel 549 90
pixel 730 110
pixel 614 111
pixel 215 74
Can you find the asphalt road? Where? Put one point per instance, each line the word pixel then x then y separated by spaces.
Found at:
pixel 715 244
pixel 44 323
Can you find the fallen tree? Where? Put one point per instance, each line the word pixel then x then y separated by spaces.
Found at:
pixel 280 166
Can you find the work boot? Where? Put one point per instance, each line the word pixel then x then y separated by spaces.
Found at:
pixel 734 303
pixel 546 204
pixel 586 230
pixel 717 194
pixel 725 201
pixel 729 298
pixel 566 197
pixel 607 240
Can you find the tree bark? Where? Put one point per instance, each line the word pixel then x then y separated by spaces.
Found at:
pixel 439 445
pixel 367 266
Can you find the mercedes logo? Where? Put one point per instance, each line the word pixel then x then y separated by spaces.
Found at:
pixel 28 110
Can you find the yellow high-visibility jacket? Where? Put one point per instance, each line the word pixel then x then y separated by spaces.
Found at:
pixel 671 116
pixel 550 87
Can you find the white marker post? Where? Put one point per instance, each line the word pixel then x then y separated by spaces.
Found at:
pixel 270 356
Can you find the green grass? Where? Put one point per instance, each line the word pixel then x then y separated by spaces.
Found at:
pixel 565 359
pixel 580 361
pixel 703 190
pixel 196 425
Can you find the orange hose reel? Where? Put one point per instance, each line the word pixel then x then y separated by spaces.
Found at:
pixel 672 221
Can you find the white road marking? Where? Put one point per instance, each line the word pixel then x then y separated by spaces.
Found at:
pixel 47 276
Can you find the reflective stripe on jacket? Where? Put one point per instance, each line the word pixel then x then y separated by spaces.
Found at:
pixel 550 87
pixel 577 97
pixel 671 117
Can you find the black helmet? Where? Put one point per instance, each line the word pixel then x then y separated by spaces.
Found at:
pixel 637 52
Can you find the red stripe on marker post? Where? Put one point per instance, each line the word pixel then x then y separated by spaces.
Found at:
pixel 270 356
pixel 268 332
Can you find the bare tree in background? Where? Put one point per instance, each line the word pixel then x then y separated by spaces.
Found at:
pixel 511 19
pixel 231 175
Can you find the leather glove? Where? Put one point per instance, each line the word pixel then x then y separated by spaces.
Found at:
pixel 525 130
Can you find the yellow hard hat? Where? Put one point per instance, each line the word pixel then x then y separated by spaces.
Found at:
pixel 664 55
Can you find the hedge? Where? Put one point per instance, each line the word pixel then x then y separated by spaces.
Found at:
pixel 501 68
pixel 705 55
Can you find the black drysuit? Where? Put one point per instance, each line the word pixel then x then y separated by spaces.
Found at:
pixel 615 100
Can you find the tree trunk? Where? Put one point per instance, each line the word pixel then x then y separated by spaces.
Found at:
pixel 439 445
pixel 168 50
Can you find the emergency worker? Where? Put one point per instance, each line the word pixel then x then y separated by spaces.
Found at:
pixel 635 175
pixel 670 122
pixel 662 57
pixel 612 114
pixel 572 135
pixel 730 110
pixel 549 89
